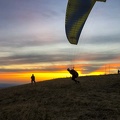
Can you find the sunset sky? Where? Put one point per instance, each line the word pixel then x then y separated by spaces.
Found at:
pixel 33 40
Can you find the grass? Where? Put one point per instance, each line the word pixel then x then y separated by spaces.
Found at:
pixel 95 98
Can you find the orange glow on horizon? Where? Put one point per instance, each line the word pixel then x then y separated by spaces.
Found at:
pixel 61 72
pixel 26 76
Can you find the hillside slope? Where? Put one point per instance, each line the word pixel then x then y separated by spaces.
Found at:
pixel 95 98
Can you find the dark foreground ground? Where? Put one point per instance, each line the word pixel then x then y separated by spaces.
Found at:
pixel 95 98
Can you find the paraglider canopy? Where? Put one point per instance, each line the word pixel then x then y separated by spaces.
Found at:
pixel 76 16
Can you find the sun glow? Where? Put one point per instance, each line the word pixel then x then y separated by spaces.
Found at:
pixel 25 77
pixel 59 71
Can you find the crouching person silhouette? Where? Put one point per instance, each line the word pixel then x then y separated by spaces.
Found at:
pixel 33 79
pixel 74 74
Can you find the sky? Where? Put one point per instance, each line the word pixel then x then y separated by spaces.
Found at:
pixel 33 41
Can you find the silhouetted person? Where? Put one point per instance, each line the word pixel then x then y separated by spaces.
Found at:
pixel 32 78
pixel 118 71
pixel 74 74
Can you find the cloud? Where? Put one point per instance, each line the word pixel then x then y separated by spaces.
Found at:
pixel 32 59
pixel 32 34
pixel 103 39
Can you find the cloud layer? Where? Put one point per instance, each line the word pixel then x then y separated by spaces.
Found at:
pixel 32 34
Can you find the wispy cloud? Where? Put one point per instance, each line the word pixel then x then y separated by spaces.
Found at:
pixel 32 37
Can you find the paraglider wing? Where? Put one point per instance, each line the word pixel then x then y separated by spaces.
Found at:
pixel 76 16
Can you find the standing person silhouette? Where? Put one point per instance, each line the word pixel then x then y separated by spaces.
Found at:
pixel 74 74
pixel 118 71
pixel 33 79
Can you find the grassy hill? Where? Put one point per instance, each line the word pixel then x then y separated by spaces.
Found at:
pixel 95 98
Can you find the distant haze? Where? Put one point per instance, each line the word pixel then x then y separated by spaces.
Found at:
pixel 5 85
